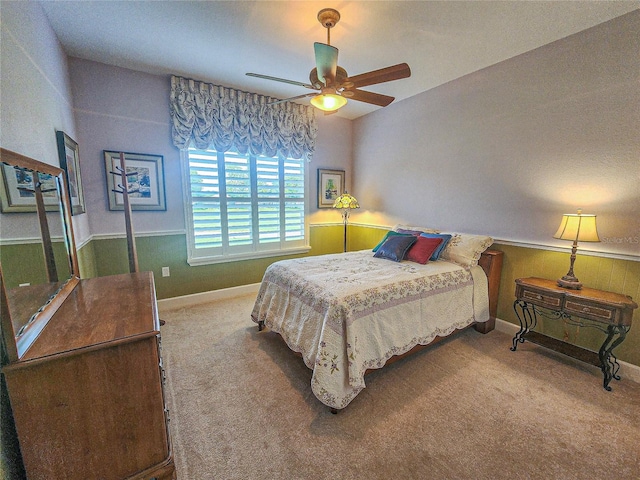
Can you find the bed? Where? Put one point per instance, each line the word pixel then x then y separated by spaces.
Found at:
pixel 349 313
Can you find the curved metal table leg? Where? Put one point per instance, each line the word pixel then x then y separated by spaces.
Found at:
pixel 610 367
pixel 526 317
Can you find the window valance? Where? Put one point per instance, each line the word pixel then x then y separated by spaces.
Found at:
pixel 210 116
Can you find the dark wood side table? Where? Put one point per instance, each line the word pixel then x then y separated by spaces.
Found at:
pixel 608 312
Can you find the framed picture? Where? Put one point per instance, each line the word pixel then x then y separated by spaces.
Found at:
pixel 17 190
pixel 330 186
pixel 70 163
pixel 145 178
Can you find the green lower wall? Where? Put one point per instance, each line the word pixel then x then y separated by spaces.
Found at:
pixel 362 237
pixel 87 260
pixel 109 257
pixel 24 263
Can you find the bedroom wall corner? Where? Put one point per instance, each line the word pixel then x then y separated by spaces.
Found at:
pixel 87 260
pixel 334 150
pixel 326 238
pixel 363 237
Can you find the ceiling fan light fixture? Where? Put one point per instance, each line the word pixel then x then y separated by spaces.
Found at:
pixel 332 83
pixel 328 101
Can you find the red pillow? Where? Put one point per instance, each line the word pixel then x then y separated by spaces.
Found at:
pixel 421 251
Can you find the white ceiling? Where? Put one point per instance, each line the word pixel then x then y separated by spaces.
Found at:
pixel 220 41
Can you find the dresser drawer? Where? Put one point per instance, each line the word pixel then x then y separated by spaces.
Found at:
pixel 586 310
pixel 540 297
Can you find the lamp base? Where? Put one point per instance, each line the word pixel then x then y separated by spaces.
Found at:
pixel 570 282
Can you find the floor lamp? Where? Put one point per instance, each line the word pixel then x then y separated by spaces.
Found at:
pixel 345 202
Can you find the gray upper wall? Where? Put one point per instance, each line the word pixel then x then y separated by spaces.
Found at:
pixel 507 150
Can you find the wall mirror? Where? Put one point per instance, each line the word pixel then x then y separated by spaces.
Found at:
pixel 38 260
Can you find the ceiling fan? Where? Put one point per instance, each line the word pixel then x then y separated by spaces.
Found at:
pixel 332 82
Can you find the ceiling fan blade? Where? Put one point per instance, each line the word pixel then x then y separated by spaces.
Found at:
pixel 275 102
pixel 326 62
pixel 283 80
pixel 368 97
pixel 387 74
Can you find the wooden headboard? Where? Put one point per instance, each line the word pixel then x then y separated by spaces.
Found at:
pixel 491 263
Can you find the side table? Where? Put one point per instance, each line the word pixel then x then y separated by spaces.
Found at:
pixel 608 312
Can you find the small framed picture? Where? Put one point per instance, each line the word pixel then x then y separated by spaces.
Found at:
pixel 17 190
pixel 330 186
pixel 70 163
pixel 145 180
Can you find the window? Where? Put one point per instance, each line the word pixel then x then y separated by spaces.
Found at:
pixel 243 206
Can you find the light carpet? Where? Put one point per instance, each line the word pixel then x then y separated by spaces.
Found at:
pixel 241 407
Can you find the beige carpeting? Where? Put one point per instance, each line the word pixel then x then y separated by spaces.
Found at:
pixel 241 407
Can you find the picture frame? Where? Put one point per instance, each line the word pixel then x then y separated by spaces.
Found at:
pixel 15 184
pixel 146 180
pixel 69 157
pixel 330 186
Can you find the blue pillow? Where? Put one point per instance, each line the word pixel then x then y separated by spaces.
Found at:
pixel 445 239
pixel 395 247
pixel 389 234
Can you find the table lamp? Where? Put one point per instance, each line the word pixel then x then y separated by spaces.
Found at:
pixel 576 227
pixel 345 202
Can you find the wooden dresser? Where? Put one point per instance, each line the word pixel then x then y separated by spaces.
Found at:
pixel 88 395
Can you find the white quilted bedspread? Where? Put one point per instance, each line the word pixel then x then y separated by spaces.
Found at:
pixel 346 313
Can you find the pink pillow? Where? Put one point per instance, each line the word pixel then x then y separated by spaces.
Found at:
pixel 421 251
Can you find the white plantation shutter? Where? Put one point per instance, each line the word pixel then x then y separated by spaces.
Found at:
pixel 244 206
pixel 205 199
pixel 294 199
pixel 238 194
pixel 268 195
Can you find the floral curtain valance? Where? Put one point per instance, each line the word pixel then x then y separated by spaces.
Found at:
pixel 210 116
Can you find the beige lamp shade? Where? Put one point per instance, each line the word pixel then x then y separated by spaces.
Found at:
pixel 576 227
pixel 579 227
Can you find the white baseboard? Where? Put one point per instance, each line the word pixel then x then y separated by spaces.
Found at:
pixel 627 370
pixel 204 297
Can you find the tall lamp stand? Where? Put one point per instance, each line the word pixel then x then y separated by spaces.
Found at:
pixel 345 220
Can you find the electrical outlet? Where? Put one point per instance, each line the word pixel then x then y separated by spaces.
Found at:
pixel 165 272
